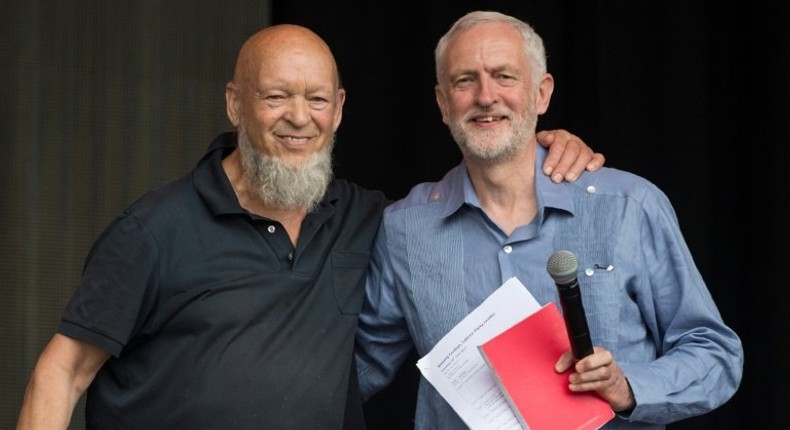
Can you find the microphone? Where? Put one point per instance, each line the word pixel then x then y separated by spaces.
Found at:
pixel 562 266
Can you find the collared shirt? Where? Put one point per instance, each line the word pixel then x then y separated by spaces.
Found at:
pixel 438 255
pixel 215 320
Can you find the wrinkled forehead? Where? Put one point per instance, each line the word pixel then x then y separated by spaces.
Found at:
pixel 296 69
pixel 484 45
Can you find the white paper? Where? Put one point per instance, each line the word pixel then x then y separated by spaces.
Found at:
pixel 458 371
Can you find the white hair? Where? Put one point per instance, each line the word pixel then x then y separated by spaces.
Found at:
pixel 534 50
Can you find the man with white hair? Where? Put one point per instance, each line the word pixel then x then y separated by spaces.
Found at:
pixel 662 351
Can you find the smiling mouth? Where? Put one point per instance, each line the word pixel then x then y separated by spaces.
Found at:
pixel 295 140
pixel 488 119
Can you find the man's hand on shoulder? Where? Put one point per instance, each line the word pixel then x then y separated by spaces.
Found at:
pixel 568 155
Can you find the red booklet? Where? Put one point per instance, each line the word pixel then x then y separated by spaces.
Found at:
pixel 522 360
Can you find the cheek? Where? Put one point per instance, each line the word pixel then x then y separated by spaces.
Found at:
pixel 327 121
pixel 262 116
pixel 459 105
pixel 266 118
pixel 456 113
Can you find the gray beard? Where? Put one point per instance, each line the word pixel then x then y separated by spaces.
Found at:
pixel 287 187
pixel 507 145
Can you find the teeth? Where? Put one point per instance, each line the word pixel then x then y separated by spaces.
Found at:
pixel 486 119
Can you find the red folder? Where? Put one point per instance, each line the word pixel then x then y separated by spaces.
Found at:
pixel 522 360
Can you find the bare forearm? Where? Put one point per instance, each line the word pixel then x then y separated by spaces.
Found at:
pixel 63 372
pixel 49 401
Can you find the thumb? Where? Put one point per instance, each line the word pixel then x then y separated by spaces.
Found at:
pixel 565 362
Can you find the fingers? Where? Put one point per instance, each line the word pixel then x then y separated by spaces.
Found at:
pixel 609 383
pixel 556 149
pixel 600 373
pixel 591 380
pixel 568 156
pixel 594 367
pixel 596 163
pixel 600 357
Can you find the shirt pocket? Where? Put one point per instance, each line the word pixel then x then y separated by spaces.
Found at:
pixel 602 298
pixel 348 280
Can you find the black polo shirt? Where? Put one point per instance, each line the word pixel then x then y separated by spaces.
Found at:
pixel 213 318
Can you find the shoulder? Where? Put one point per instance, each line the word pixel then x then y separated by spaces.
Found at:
pixel 618 183
pixel 609 191
pixel 204 189
pixel 157 214
pixel 419 195
pixel 344 193
pixel 432 196
pixel 352 190
pixel 177 195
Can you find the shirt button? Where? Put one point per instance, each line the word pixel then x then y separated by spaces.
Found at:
pixel 271 229
pixel 508 249
pixel 589 271
pixel 591 189
pixel 290 256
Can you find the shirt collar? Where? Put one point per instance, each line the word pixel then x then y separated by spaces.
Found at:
pixel 458 189
pixel 210 180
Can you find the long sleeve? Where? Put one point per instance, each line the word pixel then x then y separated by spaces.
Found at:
pixel 383 339
pixel 700 359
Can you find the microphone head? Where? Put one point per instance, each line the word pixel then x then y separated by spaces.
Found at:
pixel 562 267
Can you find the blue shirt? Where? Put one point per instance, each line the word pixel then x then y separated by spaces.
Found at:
pixel 437 256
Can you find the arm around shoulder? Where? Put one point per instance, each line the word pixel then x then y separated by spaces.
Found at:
pixel 63 372
pixel 568 156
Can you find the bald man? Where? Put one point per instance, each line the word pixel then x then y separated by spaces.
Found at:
pixel 229 298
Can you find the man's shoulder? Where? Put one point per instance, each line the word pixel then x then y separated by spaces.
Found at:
pixel 421 210
pixel 419 196
pixel 612 181
pixel 183 191
pixel 432 196
pixel 346 189
pixel 176 198
pixel 628 187
pixel 350 197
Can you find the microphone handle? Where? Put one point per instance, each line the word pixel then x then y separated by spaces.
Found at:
pixel 575 320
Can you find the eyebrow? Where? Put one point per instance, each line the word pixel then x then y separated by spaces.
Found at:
pixel 475 72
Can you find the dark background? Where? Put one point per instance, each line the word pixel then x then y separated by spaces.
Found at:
pixel 102 100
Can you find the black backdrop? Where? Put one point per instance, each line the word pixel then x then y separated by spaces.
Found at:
pixel 691 95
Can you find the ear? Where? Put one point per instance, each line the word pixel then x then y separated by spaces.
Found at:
pixel 442 102
pixel 341 99
pixel 232 101
pixel 545 90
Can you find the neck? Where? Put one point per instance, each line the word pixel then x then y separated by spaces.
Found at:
pixel 507 190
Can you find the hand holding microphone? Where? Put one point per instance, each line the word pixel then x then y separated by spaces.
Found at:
pixel 612 384
pixel 562 267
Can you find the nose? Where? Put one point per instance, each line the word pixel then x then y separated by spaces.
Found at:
pixel 298 112
pixel 485 92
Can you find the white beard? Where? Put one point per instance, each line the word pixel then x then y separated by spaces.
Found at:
pixel 494 146
pixel 287 187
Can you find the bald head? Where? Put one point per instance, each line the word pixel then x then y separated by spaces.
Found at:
pixel 280 43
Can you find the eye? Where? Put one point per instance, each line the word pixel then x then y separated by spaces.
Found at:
pixel 318 102
pixel 463 82
pixel 273 99
pixel 506 79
